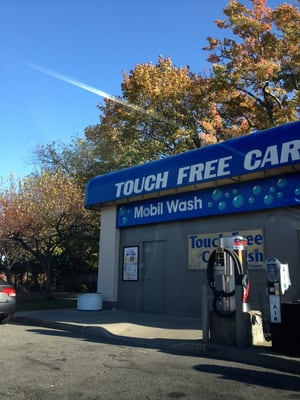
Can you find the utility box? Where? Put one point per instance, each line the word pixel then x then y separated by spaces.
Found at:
pixel 223 330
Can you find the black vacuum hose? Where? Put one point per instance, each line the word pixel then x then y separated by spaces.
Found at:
pixel 219 294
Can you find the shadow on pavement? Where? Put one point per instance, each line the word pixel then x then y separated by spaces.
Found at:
pixel 262 378
pixel 196 348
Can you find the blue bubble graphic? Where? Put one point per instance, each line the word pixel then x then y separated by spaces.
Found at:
pixel 222 205
pixel 297 191
pixel 217 194
pixel 272 189
pixel 256 190
pixel 122 211
pixel 251 200
pixel 282 182
pixel 227 195
pixel 280 195
pixel 268 199
pixel 235 191
pixel 210 204
pixel 238 201
pixel 124 220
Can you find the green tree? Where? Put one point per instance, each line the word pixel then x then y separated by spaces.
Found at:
pixel 77 159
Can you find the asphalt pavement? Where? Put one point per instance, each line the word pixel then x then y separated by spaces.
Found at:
pixel 181 335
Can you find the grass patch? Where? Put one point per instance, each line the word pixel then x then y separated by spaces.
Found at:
pixel 32 303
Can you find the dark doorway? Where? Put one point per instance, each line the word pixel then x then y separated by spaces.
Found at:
pixel 153 277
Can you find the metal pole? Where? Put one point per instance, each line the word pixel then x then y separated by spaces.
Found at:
pixel 240 333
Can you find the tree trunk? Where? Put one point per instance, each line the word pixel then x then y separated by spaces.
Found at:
pixel 46 265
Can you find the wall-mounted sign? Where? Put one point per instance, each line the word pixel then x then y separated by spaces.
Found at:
pixel 130 263
pixel 200 246
pixel 256 195
pixel 275 309
pixel 258 151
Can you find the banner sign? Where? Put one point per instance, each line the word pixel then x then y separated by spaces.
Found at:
pixel 261 194
pixel 259 151
pixel 200 247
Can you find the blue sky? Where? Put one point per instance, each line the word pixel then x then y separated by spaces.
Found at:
pixel 91 41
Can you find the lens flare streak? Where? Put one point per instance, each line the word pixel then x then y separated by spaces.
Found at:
pixel 96 91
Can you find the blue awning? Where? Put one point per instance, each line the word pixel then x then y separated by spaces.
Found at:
pixel 256 155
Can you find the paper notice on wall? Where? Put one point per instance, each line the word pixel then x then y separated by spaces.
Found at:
pixel 285 281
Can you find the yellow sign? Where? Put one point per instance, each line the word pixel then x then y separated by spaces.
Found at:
pixel 200 246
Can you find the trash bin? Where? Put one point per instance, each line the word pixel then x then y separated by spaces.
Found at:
pixel 89 302
pixel 286 336
pixel 278 340
pixel 291 323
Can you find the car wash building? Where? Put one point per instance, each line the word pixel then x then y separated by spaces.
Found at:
pixel 160 221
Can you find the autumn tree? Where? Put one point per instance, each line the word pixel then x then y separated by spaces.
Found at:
pixel 165 110
pixel 256 70
pixel 10 251
pixel 164 105
pixel 253 85
pixel 41 213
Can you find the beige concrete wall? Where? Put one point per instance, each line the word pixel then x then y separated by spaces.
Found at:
pixel 109 255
